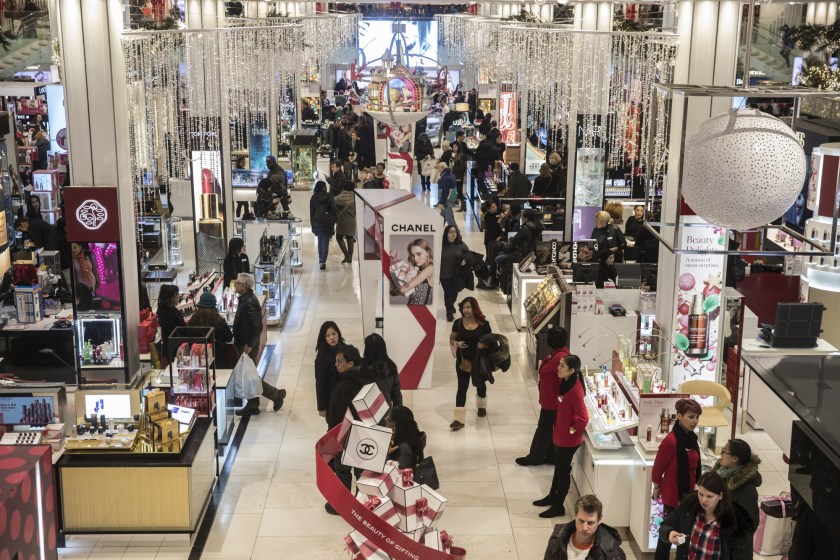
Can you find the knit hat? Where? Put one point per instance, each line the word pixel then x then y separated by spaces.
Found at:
pixel 207 300
pixel 270 159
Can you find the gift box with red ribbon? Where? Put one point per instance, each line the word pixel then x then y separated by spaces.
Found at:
pixel 367 446
pixel 416 534
pixel 381 506
pixel 435 506
pixel 378 484
pixel 438 540
pixel 408 500
pixel 370 404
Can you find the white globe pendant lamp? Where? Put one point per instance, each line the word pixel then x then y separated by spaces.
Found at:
pixel 742 169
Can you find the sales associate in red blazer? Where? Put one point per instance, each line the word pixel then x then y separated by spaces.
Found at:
pixel 569 425
pixel 677 464
pixel 542 450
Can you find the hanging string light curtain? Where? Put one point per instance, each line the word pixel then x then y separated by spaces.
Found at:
pixel 183 86
pixel 605 77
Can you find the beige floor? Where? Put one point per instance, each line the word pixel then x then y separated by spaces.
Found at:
pixel 272 508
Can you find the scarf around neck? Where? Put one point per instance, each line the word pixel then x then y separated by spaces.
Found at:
pixel 685 441
pixel 567 384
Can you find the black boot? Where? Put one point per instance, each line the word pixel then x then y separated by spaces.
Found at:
pixel 547 501
pixel 349 255
pixel 341 245
pixel 273 394
pixel 252 408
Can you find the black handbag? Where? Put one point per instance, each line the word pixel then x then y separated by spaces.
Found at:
pixel 425 472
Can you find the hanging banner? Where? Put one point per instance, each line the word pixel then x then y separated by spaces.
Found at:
pixel 590 167
pixel 509 118
pixel 697 306
pixel 377 532
pixel 259 144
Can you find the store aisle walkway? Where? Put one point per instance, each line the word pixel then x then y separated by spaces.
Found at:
pixel 271 507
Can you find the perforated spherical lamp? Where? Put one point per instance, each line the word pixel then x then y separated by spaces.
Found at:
pixel 742 169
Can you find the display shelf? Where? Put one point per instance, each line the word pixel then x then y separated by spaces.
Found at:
pixel 295 248
pixel 545 300
pixel 192 374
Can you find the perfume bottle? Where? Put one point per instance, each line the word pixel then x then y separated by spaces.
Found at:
pixel 698 328
pixel 663 421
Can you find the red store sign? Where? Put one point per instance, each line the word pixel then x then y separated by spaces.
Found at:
pixel 92 214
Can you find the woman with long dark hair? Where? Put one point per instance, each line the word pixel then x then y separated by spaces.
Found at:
pixel 677 464
pixel 322 216
pixel 451 257
pixel 169 316
pixel 236 261
pixel 408 441
pixel 205 315
pixel 704 524
pixel 376 356
pixel 326 374
pixel 464 341
pixel 570 423
pixel 738 467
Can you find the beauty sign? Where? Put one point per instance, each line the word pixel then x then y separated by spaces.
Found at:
pixel 697 305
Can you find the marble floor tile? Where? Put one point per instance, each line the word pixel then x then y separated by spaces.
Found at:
pixel 173 553
pixel 477 520
pixel 107 553
pixel 141 553
pixel 244 494
pixel 292 495
pixel 299 548
pixel 74 552
pixel 302 522
pixel 232 536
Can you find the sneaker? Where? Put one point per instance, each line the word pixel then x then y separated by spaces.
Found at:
pixel 456 425
pixel 278 401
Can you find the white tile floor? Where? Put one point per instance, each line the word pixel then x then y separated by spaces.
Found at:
pixel 272 508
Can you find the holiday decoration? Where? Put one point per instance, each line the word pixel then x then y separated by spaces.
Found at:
pixel 759 169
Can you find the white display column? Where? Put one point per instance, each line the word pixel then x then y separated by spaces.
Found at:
pixel 97 126
pixel 706 55
pixel 204 14
pixel 605 16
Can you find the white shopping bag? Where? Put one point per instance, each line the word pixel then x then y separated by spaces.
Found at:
pixel 246 379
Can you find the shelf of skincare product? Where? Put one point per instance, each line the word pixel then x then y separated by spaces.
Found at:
pixel 610 411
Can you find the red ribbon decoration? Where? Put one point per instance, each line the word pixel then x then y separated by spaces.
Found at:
pixel 375 406
pixel 445 540
pixel 375 530
pixel 422 506
pixel 372 503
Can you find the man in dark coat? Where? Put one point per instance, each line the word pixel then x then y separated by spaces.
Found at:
pixel 585 532
pixel 518 184
pixel 247 328
pixel 337 178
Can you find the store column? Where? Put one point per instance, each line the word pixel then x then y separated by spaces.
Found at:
pixel 97 125
pixel 706 55
pixel 204 14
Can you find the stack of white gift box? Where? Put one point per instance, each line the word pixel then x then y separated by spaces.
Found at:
pixel 383 488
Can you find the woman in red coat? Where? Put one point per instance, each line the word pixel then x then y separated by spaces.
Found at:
pixel 569 427
pixel 677 464
pixel 542 450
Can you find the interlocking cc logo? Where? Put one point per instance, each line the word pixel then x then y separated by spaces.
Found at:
pixel 91 214
pixel 367 449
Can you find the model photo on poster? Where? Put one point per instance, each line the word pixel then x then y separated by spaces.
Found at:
pixel 411 269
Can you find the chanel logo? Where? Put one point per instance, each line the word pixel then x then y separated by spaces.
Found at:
pixel 91 214
pixel 367 448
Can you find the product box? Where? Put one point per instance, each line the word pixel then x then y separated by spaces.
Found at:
pixel 367 447
pixel 370 404
pixel 382 507
pixel 434 507
pixel 164 431
pixel 407 497
pixel 29 304
pixel 173 446
pixel 432 540
pixel 416 535
pixel 363 548
pixel 155 402
pixel 378 484
pixel 158 416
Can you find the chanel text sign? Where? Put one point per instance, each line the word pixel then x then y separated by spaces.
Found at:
pixel 92 214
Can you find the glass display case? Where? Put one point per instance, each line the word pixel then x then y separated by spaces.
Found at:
pixel 295 249
pixel 274 280
pixel 192 369
pixel 46 186
pixel 303 156
pixel 99 340
pixel 176 255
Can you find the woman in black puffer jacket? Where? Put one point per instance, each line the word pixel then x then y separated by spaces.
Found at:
pixel 739 468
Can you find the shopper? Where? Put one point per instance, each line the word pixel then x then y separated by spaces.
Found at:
pixel 423 151
pixel 169 316
pixel 486 155
pixel 376 357
pixel 518 184
pixel 205 315
pixel 247 330
pixel 379 176
pixel 492 233
pixel 568 434
pixel 542 181
pixel 262 204
pixel 738 467
pixel 236 261
pixel 408 441
pixel 704 524
pixel 523 243
pixel 542 449
pixel 463 341
pixel 447 193
pixel 557 186
pixel 326 375
pixel 351 378
pixel 636 222
pixel 677 464
pixel 32 208
pixel 606 271
pixel 609 238
pixel 337 178
pixel 458 164
pixel 451 259
pixel 585 536
pixel 42 142
pixel 38 233
pixel 322 216
pixel 345 226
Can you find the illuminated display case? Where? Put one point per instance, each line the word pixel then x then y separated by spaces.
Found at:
pixel 192 369
pixel 47 187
